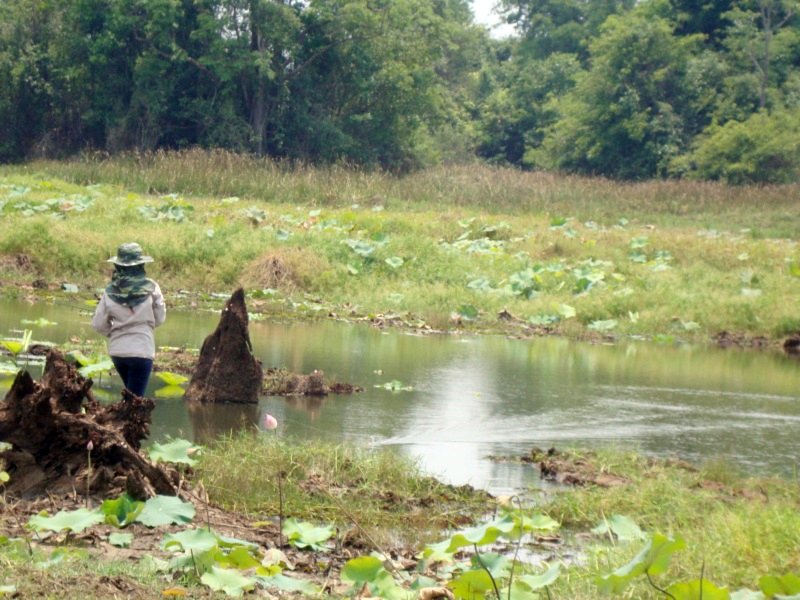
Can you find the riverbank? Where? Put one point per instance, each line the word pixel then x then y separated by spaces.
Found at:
pixel 355 504
pixel 467 249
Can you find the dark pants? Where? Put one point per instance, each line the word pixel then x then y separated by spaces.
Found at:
pixel 134 371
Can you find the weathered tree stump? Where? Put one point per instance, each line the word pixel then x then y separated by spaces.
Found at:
pixel 226 370
pixel 56 425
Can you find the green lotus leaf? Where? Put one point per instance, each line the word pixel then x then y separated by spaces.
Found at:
pixel 165 510
pixel 229 581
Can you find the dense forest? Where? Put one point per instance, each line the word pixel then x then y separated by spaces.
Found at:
pixel 703 89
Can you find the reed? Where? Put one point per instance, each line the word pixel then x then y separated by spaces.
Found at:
pixel 767 211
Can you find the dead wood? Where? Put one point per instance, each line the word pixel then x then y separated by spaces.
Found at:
pixel 226 370
pixel 56 428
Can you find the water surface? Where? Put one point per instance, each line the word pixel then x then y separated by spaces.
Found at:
pixel 475 397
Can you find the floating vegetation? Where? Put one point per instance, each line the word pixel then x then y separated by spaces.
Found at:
pixel 395 386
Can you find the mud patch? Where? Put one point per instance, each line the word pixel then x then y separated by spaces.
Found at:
pixel 17 263
pixel 280 382
pixel 728 339
pixel 570 469
pixel 791 345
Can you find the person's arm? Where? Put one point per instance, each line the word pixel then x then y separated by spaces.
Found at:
pixel 101 319
pixel 159 306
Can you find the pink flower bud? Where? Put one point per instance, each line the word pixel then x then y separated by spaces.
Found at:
pixel 90 446
pixel 270 422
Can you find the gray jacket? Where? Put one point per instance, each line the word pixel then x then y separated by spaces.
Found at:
pixel 130 330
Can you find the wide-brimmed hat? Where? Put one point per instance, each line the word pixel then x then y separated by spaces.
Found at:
pixel 130 254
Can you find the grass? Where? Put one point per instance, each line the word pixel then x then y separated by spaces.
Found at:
pixel 375 491
pixel 659 260
pixel 736 529
pixel 766 211
pixel 75 574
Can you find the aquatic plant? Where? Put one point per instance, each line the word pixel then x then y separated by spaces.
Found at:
pixel 17 347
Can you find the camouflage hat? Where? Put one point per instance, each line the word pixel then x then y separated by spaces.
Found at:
pixel 130 254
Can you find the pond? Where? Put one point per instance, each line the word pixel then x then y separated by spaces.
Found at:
pixel 475 397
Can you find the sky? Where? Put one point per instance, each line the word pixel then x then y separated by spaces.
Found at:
pixel 486 16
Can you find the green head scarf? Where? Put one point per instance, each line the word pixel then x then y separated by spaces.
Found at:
pixel 130 285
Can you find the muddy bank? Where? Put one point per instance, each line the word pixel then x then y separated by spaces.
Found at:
pixel 277 381
pixel 33 290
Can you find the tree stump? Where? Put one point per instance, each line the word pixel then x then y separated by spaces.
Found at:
pixel 62 438
pixel 226 370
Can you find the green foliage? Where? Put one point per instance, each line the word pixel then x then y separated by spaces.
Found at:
pixel 361 569
pixel 652 560
pixel 218 561
pixel 122 511
pixel 171 379
pixel 194 541
pixel 165 510
pixel 17 347
pixel 623 117
pixel 786 585
pixel 177 451
pixel 537 582
pixel 468 312
pixel 40 322
pixel 229 581
pixel 359 83
pixel 306 536
pixel 173 209
pixel 283 583
pixel 71 521
pixel 621 527
pixel 99 366
pixel 763 148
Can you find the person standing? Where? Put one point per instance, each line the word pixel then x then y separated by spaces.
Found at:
pixel 131 307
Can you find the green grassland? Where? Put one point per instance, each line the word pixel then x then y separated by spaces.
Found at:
pixel 470 247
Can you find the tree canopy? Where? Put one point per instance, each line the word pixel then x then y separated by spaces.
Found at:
pixel 658 88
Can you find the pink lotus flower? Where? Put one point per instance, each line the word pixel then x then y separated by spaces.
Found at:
pixel 270 422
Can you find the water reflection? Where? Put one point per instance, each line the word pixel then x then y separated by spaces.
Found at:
pixel 210 421
pixel 476 397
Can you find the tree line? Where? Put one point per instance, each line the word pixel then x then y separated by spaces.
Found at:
pixel 626 89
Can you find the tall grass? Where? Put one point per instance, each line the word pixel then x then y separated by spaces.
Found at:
pixel 768 211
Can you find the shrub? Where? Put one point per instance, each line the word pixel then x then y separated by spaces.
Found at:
pixel 765 148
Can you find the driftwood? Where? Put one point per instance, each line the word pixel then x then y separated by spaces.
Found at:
pixel 61 437
pixel 226 370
